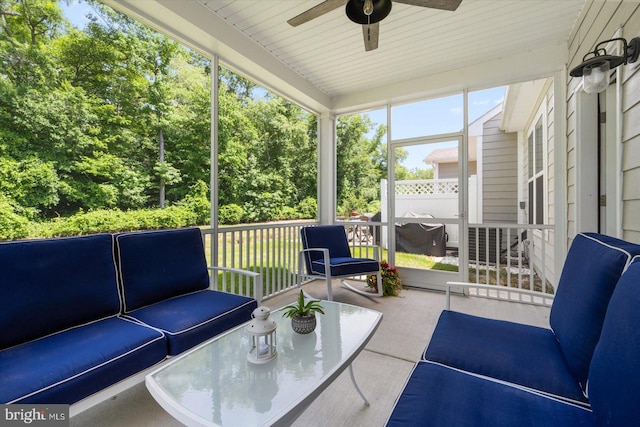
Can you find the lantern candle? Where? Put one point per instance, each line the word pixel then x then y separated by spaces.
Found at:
pixel 262 331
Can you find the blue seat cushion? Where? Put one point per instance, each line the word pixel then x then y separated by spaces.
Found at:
pixel 71 365
pixel 156 265
pixel 439 396
pixel 346 266
pixel 591 270
pixel 521 354
pixel 54 284
pixel 190 319
pixel 614 377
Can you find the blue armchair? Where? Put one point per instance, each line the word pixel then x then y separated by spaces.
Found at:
pixel 326 254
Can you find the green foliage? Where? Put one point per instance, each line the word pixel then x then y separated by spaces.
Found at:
pixel 265 206
pixel 373 207
pixel 197 201
pixel 31 182
pixel 230 214
pixel 351 202
pixel 391 282
pixel 360 162
pixel 302 307
pixel 167 173
pixel 12 224
pixel 83 112
pixel 308 208
pixel 115 220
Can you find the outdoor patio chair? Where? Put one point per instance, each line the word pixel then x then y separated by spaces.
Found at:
pixel 327 245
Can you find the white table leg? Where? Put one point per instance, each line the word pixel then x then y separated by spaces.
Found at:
pixel 353 379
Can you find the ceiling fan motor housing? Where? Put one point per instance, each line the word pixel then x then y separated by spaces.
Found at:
pixel 355 11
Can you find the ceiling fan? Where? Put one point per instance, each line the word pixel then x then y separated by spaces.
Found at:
pixel 368 13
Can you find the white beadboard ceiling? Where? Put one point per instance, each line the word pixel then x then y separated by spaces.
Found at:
pixel 328 52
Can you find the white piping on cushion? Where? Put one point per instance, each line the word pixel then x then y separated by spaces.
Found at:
pixel 559 399
pixel 190 327
pixel 612 247
pixel 88 370
pixel 63 330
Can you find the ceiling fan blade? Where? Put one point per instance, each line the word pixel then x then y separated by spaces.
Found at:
pixel 434 4
pixel 316 11
pixel 371 33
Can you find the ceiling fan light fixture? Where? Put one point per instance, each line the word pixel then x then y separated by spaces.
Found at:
pixel 356 11
pixel 367 9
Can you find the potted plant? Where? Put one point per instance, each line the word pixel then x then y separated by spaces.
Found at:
pixel 391 282
pixel 303 314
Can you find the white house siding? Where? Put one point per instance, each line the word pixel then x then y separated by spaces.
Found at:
pixel 450 170
pixel 500 173
pixel 631 140
pixel 545 104
pixel 550 213
pixel 599 21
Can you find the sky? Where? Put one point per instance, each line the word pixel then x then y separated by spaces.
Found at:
pixel 76 12
pixel 431 117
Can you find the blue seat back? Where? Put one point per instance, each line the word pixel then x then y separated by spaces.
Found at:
pixel 591 270
pixel 156 265
pixel 331 237
pixel 54 284
pixel 614 377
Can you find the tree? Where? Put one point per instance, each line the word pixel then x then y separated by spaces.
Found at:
pixel 83 114
pixel 360 164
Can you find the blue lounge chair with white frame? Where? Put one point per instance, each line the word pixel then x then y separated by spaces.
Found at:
pixel 327 245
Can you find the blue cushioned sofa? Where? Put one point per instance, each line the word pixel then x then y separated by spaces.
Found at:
pixel 583 371
pixel 85 314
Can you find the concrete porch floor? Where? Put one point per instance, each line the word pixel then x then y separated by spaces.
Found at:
pixel 381 369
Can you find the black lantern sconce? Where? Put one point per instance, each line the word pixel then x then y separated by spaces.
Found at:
pixel 595 70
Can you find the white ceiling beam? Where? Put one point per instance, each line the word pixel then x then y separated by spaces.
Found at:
pixel 530 65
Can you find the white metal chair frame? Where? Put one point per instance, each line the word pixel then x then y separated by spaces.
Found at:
pixel 328 277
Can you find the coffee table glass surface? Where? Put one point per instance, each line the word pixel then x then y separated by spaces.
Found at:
pixel 215 385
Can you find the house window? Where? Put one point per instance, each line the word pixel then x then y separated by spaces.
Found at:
pixel 536 177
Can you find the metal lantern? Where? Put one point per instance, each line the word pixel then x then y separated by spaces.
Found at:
pixel 262 331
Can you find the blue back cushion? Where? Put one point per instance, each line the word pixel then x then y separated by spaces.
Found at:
pixel 157 265
pixel 614 378
pixel 54 284
pixel 590 273
pixel 332 237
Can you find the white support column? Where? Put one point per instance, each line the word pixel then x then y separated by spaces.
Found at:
pixel 391 192
pixel 213 179
pixel 560 169
pixel 587 203
pixel 463 190
pixel 326 168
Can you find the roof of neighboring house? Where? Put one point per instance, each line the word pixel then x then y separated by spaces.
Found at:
pixel 446 155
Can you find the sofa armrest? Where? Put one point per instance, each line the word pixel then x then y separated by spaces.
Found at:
pixel 533 297
pixel 255 277
pixel 302 261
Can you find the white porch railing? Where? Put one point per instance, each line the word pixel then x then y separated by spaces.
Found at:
pixel 518 257
pixel 271 250
pixel 268 249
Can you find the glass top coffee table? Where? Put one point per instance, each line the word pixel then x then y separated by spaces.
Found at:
pixel 214 384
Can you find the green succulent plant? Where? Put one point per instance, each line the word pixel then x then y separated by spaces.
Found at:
pixel 302 308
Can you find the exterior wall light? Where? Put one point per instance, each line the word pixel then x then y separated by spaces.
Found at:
pixel 595 70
